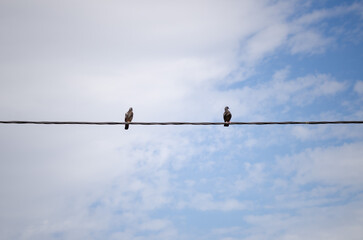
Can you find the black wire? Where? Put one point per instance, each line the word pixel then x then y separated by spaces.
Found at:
pixel 180 123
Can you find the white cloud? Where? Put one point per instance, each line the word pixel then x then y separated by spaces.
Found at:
pixel 265 42
pixel 337 222
pixel 155 225
pixel 318 133
pixel 205 202
pixel 340 165
pixel 258 101
pixel 322 14
pixel 306 35
pixel 255 175
pixel 309 41
pixel 358 87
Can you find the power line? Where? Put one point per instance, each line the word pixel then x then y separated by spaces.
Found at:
pixel 181 123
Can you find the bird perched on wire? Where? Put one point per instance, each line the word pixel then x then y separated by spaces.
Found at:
pixel 128 117
pixel 227 115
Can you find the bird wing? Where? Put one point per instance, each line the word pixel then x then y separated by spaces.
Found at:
pixel 227 116
pixel 129 116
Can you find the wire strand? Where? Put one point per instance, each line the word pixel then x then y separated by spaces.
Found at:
pixel 180 123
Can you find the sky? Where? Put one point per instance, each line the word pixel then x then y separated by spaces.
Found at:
pixel 268 60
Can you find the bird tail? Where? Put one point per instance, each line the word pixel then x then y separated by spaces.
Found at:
pixel 126 126
pixel 226 124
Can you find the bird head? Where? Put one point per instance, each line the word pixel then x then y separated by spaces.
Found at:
pixel 226 108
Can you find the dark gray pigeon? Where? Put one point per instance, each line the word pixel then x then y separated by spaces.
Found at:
pixel 227 115
pixel 128 117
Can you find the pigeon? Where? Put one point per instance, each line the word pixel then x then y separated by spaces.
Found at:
pixel 227 115
pixel 128 117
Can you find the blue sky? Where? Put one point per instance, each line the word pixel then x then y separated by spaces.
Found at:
pixel 181 61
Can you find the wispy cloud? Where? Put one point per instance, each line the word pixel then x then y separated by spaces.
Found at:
pixel 358 87
pixel 336 165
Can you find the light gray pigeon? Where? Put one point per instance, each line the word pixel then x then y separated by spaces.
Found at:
pixel 227 115
pixel 128 117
